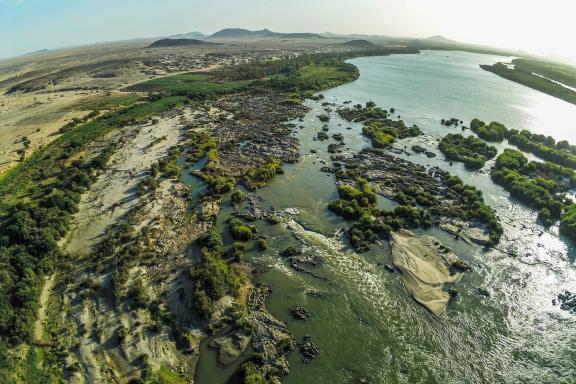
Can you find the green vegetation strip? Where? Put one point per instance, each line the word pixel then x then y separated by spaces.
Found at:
pixel 541 186
pixel 544 147
pixel 525 70
pixel 111 102
pixel 189 84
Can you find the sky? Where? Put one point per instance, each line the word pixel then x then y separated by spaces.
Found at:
pixel 545 28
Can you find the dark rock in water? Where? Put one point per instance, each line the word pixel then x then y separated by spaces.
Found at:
pixel 430 154
pixel 316 294
pixel 568 301
pixel 418 149
pixel 299 312
pixel 313 151
pixel 338 136
pixel 482 292
pixel 308 349
pixel 333 148
pixel 312 260
pixel 297 264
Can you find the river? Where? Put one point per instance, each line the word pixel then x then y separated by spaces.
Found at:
pixel 366 325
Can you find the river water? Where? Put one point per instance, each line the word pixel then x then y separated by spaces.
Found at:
pixel 366 325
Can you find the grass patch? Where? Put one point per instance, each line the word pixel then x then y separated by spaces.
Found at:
pixel 323 72
pixel 111 102
pixel 166 376
pixel 189 83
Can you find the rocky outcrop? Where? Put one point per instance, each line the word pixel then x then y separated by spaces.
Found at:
pixel 465 231
pixel 270 336
pixel 308 349
pixel 299 312
pixel 567 301
pixel 230 346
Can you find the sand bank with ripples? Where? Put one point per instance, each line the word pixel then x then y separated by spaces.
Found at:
pixel 425 265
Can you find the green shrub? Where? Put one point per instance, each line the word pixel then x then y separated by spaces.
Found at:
pixel 239 230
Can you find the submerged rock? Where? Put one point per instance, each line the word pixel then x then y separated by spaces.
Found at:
pixel 482 292
pixel 425 265
pixel 317 294
pixel 418 149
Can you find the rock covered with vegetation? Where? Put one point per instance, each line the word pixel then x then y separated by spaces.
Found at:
pixel 378 126
pixel 424 196
pixel 472 152
pixel 541 186
pixel 544 147
pixel 490 132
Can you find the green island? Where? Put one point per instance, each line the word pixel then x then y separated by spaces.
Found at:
pixel 526 70
pixel 492 132
pixel 378 126
pixel 471 151
pixel 545 147
pixel 542 186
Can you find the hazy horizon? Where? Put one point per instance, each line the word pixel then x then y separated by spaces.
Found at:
pixel 31 25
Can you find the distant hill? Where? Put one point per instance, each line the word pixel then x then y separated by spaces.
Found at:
pixel 246 34
pixel 302 36
pixel 189 35
pixel 359 44
pixel 439 40
pixel 240 33
pixel 177 43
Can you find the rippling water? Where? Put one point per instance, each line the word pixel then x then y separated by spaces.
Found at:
pixel 368 326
